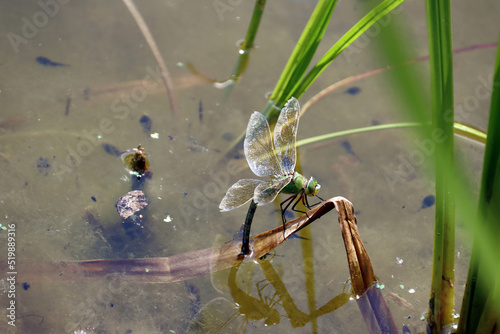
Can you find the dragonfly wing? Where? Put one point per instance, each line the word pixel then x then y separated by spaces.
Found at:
pixel 240 193
pixel 259 148
pixel 267 191
pixel 285 133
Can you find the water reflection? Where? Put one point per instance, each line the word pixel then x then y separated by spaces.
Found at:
pixel 223 316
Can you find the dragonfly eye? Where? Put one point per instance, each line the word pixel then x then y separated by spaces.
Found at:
pixel 313 187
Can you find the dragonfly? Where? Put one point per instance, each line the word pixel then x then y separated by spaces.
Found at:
pixel 273 157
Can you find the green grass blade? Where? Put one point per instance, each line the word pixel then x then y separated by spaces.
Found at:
pixel 359 28
pixel 248 43
pixel 304 51
pixel 337 134
pixel 246 46
pixel 480 275
pixel 476 135
pixel 442 300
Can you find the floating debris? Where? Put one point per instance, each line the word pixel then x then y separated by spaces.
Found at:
pixel 130 203
pixel 194 299
pixel 136 162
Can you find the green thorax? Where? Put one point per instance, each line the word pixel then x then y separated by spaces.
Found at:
pixel 299 183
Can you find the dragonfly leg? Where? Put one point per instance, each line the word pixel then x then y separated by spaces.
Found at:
pixel 305 202
pixel 320 201
pixel 303 199
pixel 288 201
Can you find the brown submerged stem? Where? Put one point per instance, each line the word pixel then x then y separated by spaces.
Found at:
pixel 166 269
pixel 202 262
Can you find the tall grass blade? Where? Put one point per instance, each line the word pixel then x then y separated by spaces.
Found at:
pixel 442 300
pixel 246 46
pixel 482 272
pixel 304 51
pixel 357 30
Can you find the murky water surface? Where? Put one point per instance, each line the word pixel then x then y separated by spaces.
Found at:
pixel 79 85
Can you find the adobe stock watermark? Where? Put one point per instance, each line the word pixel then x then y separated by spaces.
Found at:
pixel 121 107
pixel 425 147
pixel 212 191
pixel 31 25
pixel 223 6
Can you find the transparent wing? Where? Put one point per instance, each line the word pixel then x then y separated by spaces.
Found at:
pixel 285 133
pixel 267 191
pixel 240 193
pixel 259 148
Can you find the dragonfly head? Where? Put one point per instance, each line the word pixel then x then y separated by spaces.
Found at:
pixel 312 187
pixel 273 317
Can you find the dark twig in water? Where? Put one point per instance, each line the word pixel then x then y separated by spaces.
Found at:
pixel 33 315
pixel 68 103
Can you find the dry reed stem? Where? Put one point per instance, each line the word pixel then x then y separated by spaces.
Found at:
pixel 156 53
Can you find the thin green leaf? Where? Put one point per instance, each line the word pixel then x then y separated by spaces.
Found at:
pixel 246 46
pixel 441 71
pixel 359 28
pixel 304 51
pixel 483 268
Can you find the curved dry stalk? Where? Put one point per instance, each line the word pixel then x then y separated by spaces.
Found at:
pixel 171 269
pixel 344 82
pixel 201 262
pixel 156 53
pixel 370 300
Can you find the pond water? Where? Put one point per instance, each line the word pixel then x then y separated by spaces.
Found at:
pixel 77 75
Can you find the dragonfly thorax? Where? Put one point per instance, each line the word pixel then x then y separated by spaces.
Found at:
pixel 300 183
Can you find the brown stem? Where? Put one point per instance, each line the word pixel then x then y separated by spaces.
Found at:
pixel 165 269
pixel 156 53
